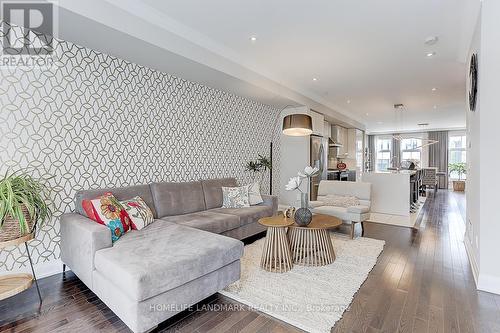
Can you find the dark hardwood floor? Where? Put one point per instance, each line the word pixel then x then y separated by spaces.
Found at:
pixel 421 283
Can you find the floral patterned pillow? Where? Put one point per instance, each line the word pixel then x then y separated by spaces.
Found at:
pixel 139 212
pixel 108 211
pixel 235 197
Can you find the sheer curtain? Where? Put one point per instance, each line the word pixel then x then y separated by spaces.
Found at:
pixel 371 151
pixel 396 153
pixel 438 155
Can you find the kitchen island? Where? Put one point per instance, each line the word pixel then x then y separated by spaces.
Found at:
pixel 390 191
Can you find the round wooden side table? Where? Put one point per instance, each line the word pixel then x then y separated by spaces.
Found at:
pixel 276 255
pixel 311 245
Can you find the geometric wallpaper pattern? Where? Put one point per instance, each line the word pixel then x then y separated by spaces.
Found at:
pixel 93 120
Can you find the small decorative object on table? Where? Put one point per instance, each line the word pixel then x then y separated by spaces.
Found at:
pixel 23 207
pixel 289 213
pixel 303 215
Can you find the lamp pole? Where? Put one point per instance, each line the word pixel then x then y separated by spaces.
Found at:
pixel 278 117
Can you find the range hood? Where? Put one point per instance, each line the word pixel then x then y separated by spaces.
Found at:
pixel 336 136
pixel 333 143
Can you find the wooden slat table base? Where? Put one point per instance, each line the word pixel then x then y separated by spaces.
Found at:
pixel 276 255
pixel 311 247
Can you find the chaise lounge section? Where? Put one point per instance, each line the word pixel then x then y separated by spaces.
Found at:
pixel 184 256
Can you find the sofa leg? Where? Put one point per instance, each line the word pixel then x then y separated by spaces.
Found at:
pixel 362 229
pixel 64 268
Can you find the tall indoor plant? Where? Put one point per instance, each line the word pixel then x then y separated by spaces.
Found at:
pixel 24 205
pixel 460 169
pixel 259 167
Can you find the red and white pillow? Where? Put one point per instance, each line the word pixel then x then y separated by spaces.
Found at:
pixel 138 211
pixel 118 216
pixel 107 210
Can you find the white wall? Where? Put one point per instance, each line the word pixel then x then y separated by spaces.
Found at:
pixel 471 239
pixel 484 159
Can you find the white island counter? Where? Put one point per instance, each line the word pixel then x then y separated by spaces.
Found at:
pixel 390 192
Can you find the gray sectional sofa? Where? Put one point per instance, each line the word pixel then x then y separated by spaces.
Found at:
pixel 147 276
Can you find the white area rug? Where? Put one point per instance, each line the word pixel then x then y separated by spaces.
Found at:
pixel 401 221
pixel 310 298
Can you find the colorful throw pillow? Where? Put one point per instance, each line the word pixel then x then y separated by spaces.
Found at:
pixel 254 195
pixel 340 200
pixel 108 211
pixel 139 212
pixel 235 197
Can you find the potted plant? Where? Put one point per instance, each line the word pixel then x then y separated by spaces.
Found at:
pixel 259 167
pixel 23 205
pixel 459 168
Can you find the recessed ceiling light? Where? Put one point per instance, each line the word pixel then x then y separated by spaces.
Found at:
pixel 253 38
pixel 348 101
pixel 367 114
pixel 315 79
pixel 431 40
pixel 435 106
pixel 434 89
pixel 430 54
pixel 380 122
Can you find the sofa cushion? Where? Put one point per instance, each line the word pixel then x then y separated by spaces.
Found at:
pixel 359 209
pixel 177 198
pixel 247 214
pixel 120 193
pixel 208 221
pixel 163 256
pixel 341 212
pixel 212 189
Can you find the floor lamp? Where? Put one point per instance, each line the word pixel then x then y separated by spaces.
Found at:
pixel 297 124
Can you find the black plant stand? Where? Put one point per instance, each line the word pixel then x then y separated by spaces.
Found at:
pixel 33 271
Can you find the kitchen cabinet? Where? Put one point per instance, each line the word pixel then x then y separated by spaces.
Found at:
pixel 327 129
pixel 317 122
pixel 347 137
pixel 351 143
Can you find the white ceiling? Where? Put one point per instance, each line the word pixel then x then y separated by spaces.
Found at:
pixel 371 53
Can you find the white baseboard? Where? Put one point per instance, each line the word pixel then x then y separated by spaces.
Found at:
pixel 42 270
pixel 472 260
pixel 489 283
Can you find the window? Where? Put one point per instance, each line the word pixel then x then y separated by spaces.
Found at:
pixel 457 152
pixel 383 146
pixel 410 150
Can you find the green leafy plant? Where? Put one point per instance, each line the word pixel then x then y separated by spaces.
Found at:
pixel 20 189
pixel 253 166
pixel 458 168
pixel 259 166
pixel 264 162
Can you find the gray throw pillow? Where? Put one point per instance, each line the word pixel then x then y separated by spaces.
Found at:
pixel 235 197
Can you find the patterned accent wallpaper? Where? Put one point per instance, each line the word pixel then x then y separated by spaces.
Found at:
pixel 94 120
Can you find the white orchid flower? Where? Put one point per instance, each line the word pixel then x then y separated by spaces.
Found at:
pixel 293 184
pixel 308 172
